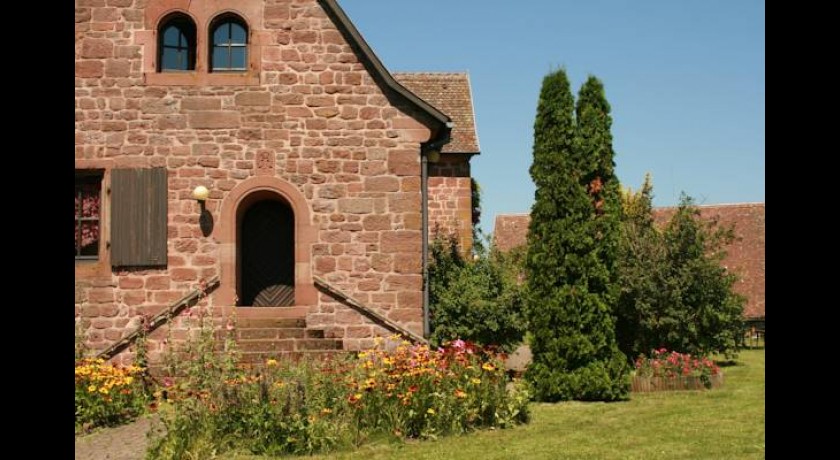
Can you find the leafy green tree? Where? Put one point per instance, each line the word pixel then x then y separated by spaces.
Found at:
pixel 572 245
pixel 675 293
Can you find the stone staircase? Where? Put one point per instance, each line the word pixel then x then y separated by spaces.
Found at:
pixel 280 333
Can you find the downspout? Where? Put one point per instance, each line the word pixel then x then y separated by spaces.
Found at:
pixel 442 139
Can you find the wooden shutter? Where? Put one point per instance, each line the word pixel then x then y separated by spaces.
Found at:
pixel 138 217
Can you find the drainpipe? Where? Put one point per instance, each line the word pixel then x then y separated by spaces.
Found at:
pixel 435 145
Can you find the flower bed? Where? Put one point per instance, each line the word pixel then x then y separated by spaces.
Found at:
pixel 106 394
pixel 669 371
pixel 407 391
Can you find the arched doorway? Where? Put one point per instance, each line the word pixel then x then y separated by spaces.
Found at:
pixel 267 255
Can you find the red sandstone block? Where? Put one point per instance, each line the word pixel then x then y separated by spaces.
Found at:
pixel 404 163
pixel 88 69
pixel 407 263
pixel 251 98
pixel 82 15
pixel 101 295
pixel 381 263
pixel 403 202
pixel 359 332
pixel 204 260
pixel 400 241
pixel 101 323
pixel 370 285
pixel 209 162
pixel 325 264
pixel 130 282
pixel 97 48
pixel 319 101
pixel 377 222
pixel 280 12
pixel 108 311
pixel 403 282
pixel 201 103
pixel 355 205
pixel 332 191
pixel 171 122
pixel 304 36
pixel 409 299
pixel 157 282
pixel 214 119
pixel 346 316
pixel 382 184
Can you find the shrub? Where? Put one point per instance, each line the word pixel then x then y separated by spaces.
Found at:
pixel 479 300
pixel 107 395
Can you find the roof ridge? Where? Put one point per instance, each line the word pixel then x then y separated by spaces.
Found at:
pixel 719 205
pixel 429 72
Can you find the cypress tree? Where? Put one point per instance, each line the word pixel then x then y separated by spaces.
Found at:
pixel 572 243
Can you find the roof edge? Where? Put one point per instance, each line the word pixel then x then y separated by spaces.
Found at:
pixel 355 37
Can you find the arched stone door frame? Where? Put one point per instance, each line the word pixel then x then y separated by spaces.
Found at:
pixel 239 199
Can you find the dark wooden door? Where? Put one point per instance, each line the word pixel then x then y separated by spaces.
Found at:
pixel 268 255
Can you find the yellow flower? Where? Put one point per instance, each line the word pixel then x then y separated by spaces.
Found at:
pixel 363 355
pixel 475 380
pixel 488 367
pixel 92 389
pixel 430 411
pixel 326 411
pixel 271 362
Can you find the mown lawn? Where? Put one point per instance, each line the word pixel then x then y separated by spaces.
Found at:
pixel 724 423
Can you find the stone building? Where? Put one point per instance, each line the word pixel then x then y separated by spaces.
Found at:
pixel 323 174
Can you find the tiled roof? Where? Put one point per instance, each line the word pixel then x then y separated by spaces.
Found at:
pixel 451 94
pixel 745 256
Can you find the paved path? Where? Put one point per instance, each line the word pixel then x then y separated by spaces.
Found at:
pixel 127 442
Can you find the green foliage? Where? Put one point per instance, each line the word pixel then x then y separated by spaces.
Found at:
pixel 479 300
pixel 572 244
pixel 674 291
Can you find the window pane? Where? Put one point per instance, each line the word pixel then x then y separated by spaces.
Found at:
pixel 237 33
pixel 237 57
pixel 221 34
pixel 173 59
pixel 78 203
pixel 90 238
pixel 76 237
pixel 171 36
pixel 220 57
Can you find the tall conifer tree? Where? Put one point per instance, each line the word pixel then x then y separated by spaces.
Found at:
pixel 572 243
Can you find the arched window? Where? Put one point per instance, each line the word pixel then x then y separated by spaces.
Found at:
pixel 176 44
pixel 229 46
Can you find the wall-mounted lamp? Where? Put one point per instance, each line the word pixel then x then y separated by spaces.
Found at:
pixel 205 220
pixel 201 194
pixel 434 156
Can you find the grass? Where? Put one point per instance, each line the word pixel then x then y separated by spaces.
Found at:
pixel 724 423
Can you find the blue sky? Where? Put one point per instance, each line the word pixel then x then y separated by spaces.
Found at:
pixel 685 80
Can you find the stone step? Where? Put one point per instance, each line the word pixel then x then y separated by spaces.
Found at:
pixel 279 333
pixel 265 323
pixel 279 345
pixel 295 356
